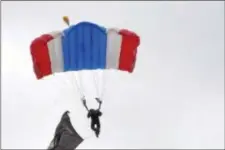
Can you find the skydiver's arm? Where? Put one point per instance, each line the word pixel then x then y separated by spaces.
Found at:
pixel 99 107
pixel 100 103
pixel 86 107
pixel 84 103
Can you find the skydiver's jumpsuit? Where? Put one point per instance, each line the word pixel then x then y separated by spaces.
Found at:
pixel 95 123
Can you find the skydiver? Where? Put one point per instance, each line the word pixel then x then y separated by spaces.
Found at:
pixel 94 114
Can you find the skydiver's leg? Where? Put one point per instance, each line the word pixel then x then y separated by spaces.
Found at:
pixel 95 129
pixel 98 124
pixel 93 125
pixel 98 127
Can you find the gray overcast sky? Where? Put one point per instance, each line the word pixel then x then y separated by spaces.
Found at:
pixel 174 99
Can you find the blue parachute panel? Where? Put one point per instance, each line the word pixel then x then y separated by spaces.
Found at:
pixel 84 47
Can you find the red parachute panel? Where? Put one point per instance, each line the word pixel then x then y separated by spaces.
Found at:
pixel 130 42
pixel 40 56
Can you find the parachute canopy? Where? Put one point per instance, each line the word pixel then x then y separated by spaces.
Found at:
pixel 84 46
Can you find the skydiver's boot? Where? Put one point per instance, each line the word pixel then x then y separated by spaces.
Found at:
pixel 96 130
pixel 97 133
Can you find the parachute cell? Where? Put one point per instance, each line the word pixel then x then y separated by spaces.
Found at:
pixel 114 41
pixel 55 52
pixel 84 47
pixel 40 56
pixel 128 52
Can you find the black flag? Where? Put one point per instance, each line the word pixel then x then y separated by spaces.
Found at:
pixel 65 135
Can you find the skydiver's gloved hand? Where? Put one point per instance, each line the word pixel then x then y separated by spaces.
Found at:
pixel 98 100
